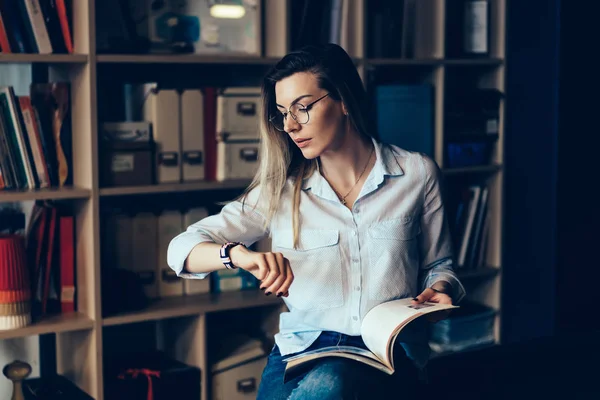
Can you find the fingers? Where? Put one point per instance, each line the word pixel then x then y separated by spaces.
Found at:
pixel 278 276
pixel 272 271
pixel 424 296
pixel 443 298
pixel 283 290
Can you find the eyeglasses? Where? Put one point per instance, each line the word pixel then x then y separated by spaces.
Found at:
pixel 297 111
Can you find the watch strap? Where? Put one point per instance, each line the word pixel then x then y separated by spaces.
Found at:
pixel 224 254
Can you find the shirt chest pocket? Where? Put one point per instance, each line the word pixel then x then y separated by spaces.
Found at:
pixel 316 266
pixel 393 258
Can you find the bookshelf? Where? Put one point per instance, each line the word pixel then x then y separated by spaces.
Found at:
pixel 79 336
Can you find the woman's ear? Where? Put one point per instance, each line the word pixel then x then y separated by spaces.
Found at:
pixel 344 110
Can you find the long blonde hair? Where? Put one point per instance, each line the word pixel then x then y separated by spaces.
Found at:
pixel 280 158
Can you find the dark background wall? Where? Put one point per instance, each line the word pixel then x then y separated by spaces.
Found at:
pixel 551 208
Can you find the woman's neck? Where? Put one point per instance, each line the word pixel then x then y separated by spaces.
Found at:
pixel 343 166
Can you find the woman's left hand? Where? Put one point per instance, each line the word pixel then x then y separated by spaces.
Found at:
pixel 434 297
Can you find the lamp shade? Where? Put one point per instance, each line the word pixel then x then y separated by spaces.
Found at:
pixel 15 291
pixel 14 274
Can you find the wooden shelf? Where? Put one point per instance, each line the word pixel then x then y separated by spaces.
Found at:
pixel 44 58
pixel 174 187
pixel 474 61
pixel 184 59
pixel 477 272
pixel 53 324
pixel 435 61
pixel 473 170
pixel 181 306
pixel 55 193
pixel 404 61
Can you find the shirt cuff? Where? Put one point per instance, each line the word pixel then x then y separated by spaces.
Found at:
pixel 458 291
pixel 180 252
pixel 447 275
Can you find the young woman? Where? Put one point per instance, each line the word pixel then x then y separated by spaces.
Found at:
pixel 353 222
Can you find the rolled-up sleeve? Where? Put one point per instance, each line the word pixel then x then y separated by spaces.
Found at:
pixel 236 222
pixel 435 240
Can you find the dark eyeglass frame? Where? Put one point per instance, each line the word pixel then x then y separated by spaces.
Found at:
pixel 306 108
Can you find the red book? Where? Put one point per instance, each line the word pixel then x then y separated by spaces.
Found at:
pixel 64 24
pixel 4 44
pixel 67 263
pixel 51 237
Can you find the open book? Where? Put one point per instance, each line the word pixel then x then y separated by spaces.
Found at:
pixel 379 330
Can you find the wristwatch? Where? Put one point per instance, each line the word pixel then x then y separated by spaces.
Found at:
pixel 224 254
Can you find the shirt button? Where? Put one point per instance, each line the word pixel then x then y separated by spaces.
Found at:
pixel 357 288
pixel 355 260
pixel 353 233
pixel 355 318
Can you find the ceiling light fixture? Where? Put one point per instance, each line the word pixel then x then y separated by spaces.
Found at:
pixel 230 9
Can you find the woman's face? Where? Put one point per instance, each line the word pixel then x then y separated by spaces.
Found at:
pixel 324 129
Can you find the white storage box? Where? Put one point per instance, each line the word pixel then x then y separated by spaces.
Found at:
pixel 238 113
pixel 237 159
pixel 237 377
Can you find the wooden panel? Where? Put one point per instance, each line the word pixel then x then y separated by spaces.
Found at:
pixel 197 304
pixel 44 58
pixel 404 61
pixel 53 324
pixel 186 59
pixel 484 169
pixel 275 28
pixel 189 346
pixel 81 123
pixel 429 29
pixel 78 355
pixel 76 359
pixel 55 193
pixel 356 26
pixel 174 187
pixel 498 28
pixel 475 61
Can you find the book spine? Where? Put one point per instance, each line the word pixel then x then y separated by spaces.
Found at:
pixel 22 139
pixel 6 162
pixel 4 43
pixel 64 25
pixel 13 26
pixel 13 144
pixel 38 26
pixel 27 26
pixel 34 140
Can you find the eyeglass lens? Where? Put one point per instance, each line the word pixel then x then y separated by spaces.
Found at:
pixel 297 111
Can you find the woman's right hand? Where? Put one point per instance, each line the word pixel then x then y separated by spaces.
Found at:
pixel 272 269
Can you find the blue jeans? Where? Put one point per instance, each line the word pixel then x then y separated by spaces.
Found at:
pixel 338 378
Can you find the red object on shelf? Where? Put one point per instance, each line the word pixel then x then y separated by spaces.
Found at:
pixel 15 291
pixel 14 275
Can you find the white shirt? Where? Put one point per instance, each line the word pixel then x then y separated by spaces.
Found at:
pixel 393 244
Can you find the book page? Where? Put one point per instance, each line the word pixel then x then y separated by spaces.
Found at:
pixel 325 351
pixel 382 324
pixel 303 362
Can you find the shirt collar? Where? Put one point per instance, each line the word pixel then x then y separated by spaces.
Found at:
pixel 386 164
